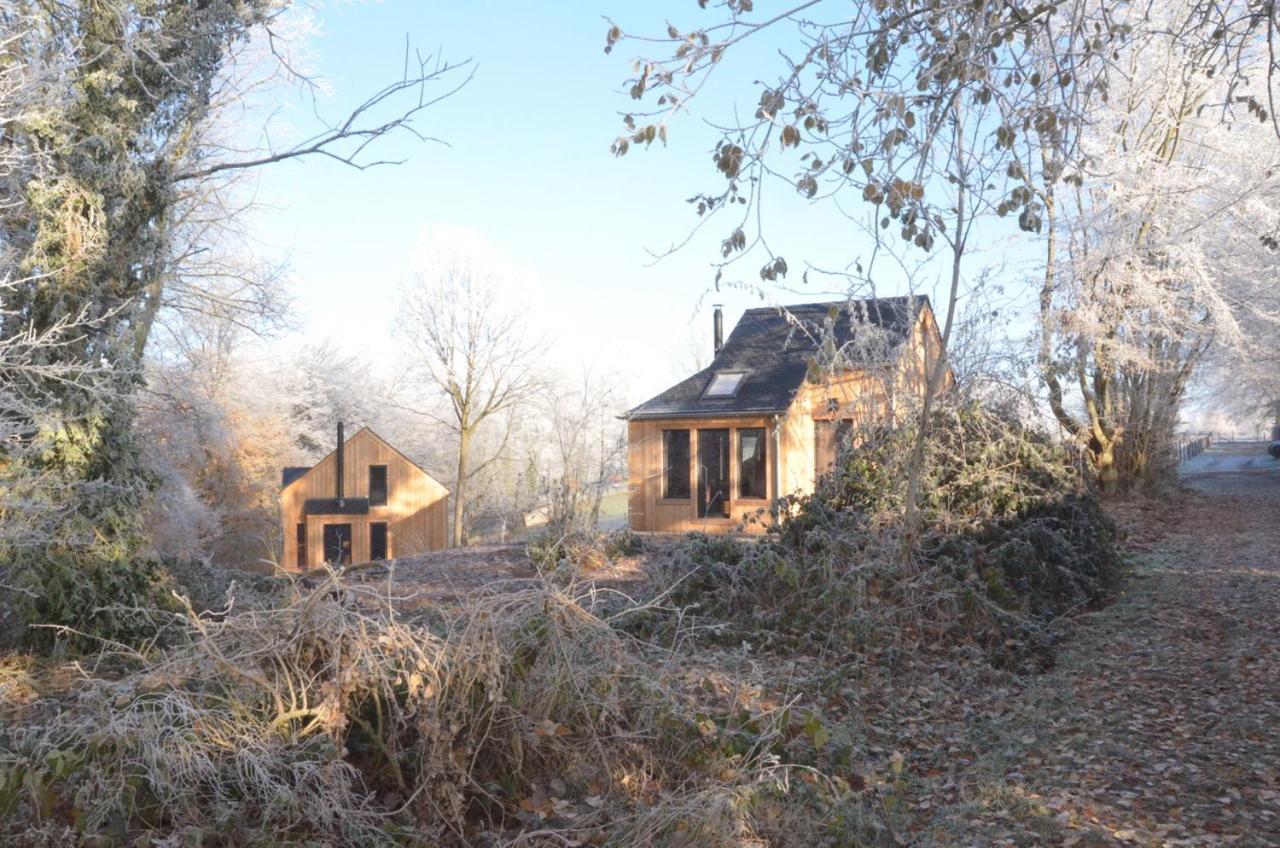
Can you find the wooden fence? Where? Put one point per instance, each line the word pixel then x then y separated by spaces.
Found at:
pixel 1194 447
pixel 1237 436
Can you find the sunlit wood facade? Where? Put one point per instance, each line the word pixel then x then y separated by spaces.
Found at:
pixel 383 507
pixel 695 468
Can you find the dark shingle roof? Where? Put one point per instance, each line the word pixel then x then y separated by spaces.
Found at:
pixel 776 359
pixel 291 473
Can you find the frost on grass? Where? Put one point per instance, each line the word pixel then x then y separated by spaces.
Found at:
pixel 330 718
pixel 766 692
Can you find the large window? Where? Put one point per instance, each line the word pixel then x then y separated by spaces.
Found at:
pixel 752 473
pixel 337 544
pixel 377 485
pixel 675 464
pixel 713 473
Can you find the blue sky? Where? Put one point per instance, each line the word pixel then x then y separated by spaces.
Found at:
pixel 528 170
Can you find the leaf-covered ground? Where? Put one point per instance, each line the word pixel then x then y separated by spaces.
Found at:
pixel 1160 725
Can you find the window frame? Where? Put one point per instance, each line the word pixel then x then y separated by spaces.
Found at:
pixel 668 467
pixel 739 464
pixel 386 485
pixel 840 429
pixel 740 373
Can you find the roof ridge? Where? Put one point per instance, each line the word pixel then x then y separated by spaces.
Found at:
pixel 837 302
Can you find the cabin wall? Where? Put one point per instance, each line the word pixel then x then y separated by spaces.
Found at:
pixel 885 393
pixel 416 511
pixel 649 511
pixel 863 397
pixel 916 363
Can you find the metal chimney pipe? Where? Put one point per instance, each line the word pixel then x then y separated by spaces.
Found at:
pixel 717 323
pixel 339 458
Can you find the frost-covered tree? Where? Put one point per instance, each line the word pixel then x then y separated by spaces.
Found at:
pixel 118 164
pixel 586 448
pixel 1166 251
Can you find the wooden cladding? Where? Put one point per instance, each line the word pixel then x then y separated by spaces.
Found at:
pixel 724 474
pixel 407 509
pixel 687 474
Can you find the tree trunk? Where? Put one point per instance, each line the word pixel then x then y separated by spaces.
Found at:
pixel 1104 463
pixel 460 486
pixel 935 375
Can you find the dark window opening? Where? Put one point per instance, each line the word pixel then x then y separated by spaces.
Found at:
pixel 675 461
pixel 713 473
pixel 378 540
pixel 377 485
pixel 337 544
pixel 752 478
pixel 301 539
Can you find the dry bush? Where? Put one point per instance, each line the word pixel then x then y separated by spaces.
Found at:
pixel 1013 539
pixel 521 718
pixel 563 549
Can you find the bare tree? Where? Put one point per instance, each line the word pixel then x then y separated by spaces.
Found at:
pixel 122 132
pixel 588 448
pixel 472 350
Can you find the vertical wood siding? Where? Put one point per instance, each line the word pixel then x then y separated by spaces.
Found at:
pixel 648 510
pixel 883 393
pixel 416 511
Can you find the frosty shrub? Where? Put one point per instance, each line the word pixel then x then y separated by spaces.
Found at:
pixel 1013 538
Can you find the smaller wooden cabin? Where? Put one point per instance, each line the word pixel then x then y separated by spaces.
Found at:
pixel 365 501
pixel 769 414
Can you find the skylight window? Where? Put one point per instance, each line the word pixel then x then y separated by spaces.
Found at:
pixel 725 384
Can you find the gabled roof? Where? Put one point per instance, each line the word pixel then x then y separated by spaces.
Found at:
pixel 294 473
pixel 291 473
pixel 775 355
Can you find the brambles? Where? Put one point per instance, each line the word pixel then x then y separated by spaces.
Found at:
pixel 1011 541
pixel 554 546
pixel 328 719
pixel 76 598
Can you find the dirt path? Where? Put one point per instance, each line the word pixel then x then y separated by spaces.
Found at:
pixel 1161 725
pixel 1233 458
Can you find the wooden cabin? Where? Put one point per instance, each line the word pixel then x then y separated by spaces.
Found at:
pixel 365 501
pixel 767 416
